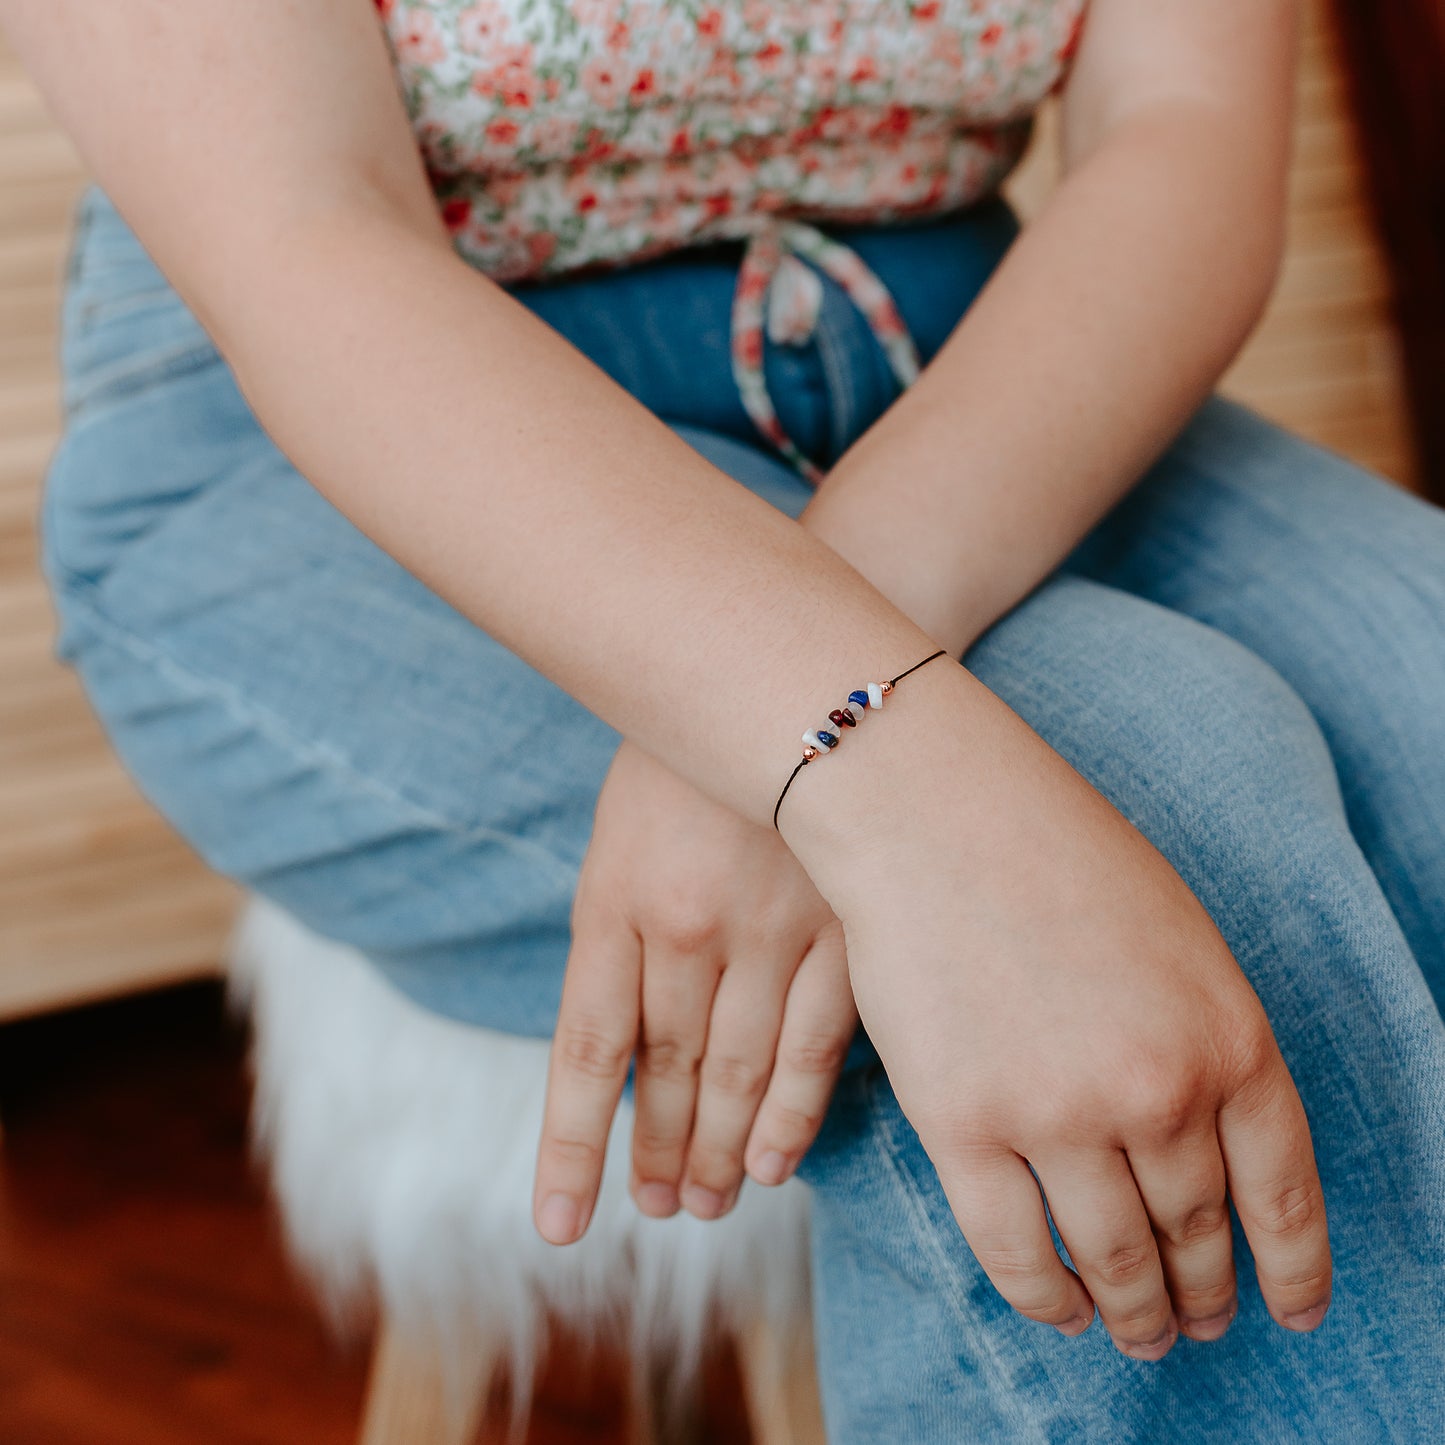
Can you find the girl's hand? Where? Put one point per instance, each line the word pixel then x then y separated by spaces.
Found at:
pixel 1046 991
pixel 699 941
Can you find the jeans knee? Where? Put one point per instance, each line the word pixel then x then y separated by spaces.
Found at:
pixel 1171 719
pixel 1332 572
pixel 913 1337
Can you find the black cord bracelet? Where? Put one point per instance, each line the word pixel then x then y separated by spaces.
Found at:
pixel 824 740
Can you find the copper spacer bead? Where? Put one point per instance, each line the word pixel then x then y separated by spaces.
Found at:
pixel 885 688
pixel 809 753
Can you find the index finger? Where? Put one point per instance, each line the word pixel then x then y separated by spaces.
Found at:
pixel 1270 1164
pixel 591 1049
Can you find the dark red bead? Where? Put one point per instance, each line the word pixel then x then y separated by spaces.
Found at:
pixel 843 716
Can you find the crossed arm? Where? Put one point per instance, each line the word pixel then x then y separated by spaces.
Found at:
pixel 270 171
pixel 1105 326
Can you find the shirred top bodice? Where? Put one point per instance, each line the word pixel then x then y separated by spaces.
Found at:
pixel 561 133
pixel 565 134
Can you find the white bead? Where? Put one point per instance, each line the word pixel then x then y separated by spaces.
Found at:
pixel 810 739
pixel 875 695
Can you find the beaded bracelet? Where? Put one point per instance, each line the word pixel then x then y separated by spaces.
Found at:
pixel 820 741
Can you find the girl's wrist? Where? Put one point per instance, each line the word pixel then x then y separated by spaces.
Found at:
pixel 847 808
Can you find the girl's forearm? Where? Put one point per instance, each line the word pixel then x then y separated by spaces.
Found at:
pixel 542 501
pixel 1105 326
pixel 280 188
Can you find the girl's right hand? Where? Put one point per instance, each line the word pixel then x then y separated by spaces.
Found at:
pixel 1046 992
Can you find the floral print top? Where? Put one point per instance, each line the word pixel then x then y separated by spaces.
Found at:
pixel 565 134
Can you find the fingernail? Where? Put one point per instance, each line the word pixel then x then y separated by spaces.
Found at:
pixel 1210 1327
pixel 771 1168
pixel 557 1219
pixel 657 1199
pixel 1156 1348
pixel 705 1203
pixel 1075 1326
pixel 1307 1319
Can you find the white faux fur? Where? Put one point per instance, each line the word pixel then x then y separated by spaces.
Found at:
pixel 401 1146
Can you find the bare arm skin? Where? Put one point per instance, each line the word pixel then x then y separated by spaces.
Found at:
pixel 269 169
pixel 1105 326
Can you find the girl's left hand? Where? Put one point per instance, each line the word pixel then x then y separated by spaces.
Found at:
pixel 700 943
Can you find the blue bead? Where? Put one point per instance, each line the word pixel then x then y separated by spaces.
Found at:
pixel 828 739
pixel 861 698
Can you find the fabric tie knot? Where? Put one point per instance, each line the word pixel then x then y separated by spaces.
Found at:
pixel 780 297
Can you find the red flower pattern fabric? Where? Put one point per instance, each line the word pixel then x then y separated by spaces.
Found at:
pixel 566 134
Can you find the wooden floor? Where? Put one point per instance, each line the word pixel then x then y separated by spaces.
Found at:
pixel 144 1295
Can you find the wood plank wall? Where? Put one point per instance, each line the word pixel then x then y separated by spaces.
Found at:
pixel 98 895
pixel 1397 69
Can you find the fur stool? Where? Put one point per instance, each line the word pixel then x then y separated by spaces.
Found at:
pixel 401 1148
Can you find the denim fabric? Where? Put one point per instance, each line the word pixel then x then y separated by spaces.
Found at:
pixel 1247 657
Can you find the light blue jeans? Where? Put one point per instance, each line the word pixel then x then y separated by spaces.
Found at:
pixel 1247 657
